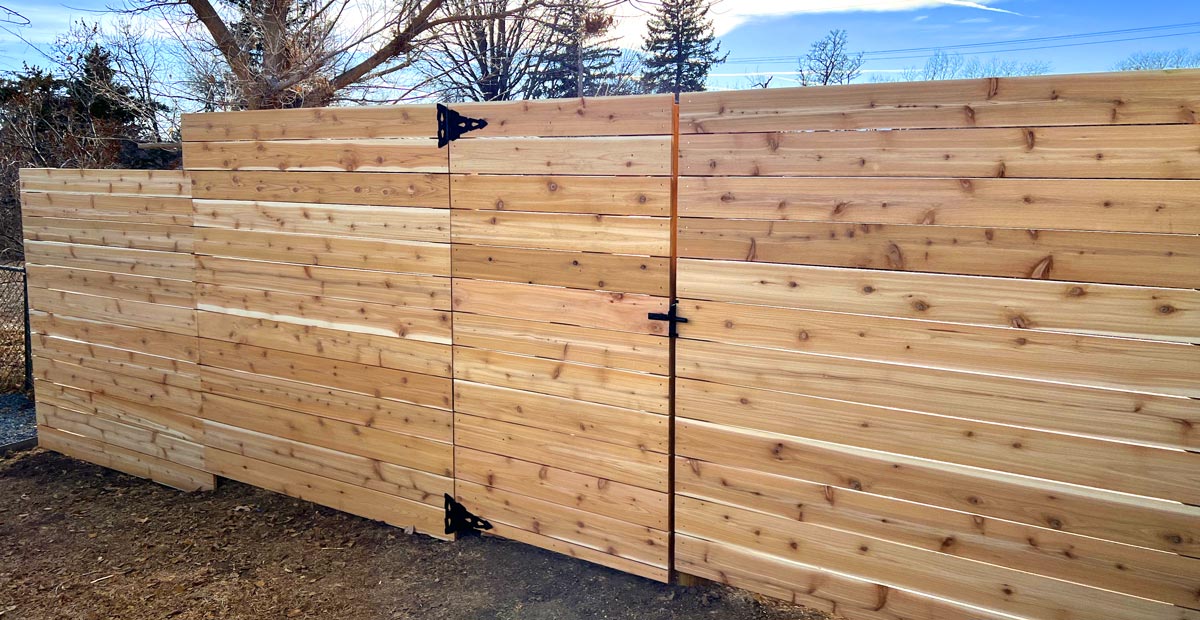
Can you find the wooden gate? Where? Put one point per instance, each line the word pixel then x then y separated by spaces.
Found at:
pixel 323 302
pixel 561 219
pixel 941 346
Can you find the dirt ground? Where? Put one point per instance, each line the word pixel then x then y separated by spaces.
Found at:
pixel 82 542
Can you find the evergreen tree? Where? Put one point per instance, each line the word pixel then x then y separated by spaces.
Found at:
pixel 580 60
pixel 680 47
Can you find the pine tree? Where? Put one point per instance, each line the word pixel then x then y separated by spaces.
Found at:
pixel 580 60
pixel 680 47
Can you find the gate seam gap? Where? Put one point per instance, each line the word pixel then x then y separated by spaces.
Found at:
pixel 672 575
pixel 453 412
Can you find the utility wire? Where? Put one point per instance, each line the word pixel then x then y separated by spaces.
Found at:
pixel 888 54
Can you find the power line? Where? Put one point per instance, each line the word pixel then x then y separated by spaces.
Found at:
pixel 880 54
pixel 1046 47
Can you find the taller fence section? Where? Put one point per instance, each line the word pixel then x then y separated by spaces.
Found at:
pixel 940 359
pixel 111 303
pixel 323 269
pixel 562 244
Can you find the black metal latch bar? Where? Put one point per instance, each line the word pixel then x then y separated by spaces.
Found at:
pixel 451 125
pixel 459 520
pixel 671 315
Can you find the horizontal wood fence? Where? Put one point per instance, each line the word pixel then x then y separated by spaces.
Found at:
pixel 940 355
pixel 940 358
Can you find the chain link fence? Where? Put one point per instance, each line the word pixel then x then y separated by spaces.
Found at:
pixel 14 331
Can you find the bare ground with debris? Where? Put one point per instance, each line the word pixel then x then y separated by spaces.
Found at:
pixel 82 542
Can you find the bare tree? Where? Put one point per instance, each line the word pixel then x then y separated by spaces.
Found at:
pixel 139 71
pixel 944 66
pixel 293 53
pixel 1170 59
pixel 492 56
pixel 829 61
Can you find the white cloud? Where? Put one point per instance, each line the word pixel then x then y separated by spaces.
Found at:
pixel 729 14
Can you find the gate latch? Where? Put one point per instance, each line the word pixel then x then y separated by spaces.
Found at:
pixel 671 315
pixel 459 520
pixel 451 125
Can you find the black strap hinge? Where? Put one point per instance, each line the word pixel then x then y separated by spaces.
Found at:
pixel 451 125
pixel 459 520
pixel 671 315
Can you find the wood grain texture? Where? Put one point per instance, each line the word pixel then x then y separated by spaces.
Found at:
pixel 344 315
pixel 1096 152
pixel 1140 312
pixel 1140 470
pixel 162 210
pixel 1115 258
pixel 362 122
pixel 1120 205
pixel 618 156
pixel 373 381
pixel 153 290
pixel 389 478
pixel 609 424
pixel 92 181
pixel 1128 416
pixel 1148 97
pixel 927 572
pixel 374 254
pixel 132 463
pixel 359 155
pixel 358 188
pixel 339 495
pixel 590 271
pixel 107 333
pixel 171 319
pixel 173 265
pixel 122 434
pixel 179 399
pixel 363 222
pixel 587 493
pixel 141 414
pixel 803 584
pixel 1131 570
pixel 1145 522
pixel 592 384
pixel 580 552
pixel 600 533
pixel 564 231
pixel 412 451
pixel 616 311
pixel 332 403
pixel 1135 365
pixel 608 195
pixel 583 116
pixel 130 235
pixel 584 345
pixel 365 348
pixel 632 466
pixel 398 289
pixel 121 363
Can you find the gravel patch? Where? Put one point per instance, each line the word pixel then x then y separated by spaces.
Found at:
pixel 17 421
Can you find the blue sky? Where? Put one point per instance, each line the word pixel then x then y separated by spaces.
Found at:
pixel 959 25
pixel 756 29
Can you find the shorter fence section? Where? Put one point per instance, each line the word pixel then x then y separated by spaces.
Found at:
pixel 112 307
